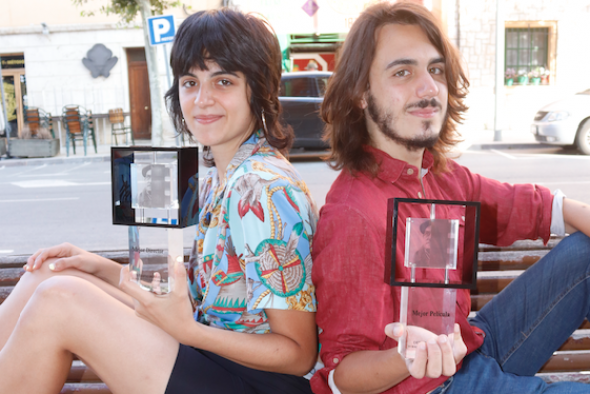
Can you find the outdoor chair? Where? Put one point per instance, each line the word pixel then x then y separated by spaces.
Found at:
pixel 119 128
pixel 38 121
pixel 79 124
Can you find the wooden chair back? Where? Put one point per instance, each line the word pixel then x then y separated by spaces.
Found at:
pixel 33 119
pixel 73 120
pixel 116 116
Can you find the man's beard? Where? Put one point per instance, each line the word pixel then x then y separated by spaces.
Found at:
pixel 384 119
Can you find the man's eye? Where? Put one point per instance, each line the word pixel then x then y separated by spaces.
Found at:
pixel 436 70
pixel 402 73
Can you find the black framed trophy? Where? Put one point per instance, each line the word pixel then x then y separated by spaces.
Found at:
pixel 154 192
pixel 431 252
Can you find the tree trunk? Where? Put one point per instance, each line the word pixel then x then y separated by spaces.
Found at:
pixel 151 56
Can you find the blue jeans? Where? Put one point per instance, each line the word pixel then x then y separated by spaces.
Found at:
pixel 526 323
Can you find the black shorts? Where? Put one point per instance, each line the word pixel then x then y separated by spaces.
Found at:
pixel 199 371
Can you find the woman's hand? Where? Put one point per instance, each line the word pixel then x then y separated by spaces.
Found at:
pixel 171 312
pixel 435 355
pixel 66 256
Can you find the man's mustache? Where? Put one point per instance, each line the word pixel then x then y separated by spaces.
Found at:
pixel 424 103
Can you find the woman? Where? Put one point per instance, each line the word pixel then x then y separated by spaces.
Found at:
pixel 254 329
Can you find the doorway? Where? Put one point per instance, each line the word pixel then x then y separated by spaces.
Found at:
pixel 139 94
pixel 15 91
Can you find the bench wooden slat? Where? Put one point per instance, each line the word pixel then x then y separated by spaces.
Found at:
pixel 569 361
pixel 85 388
pixel 80 373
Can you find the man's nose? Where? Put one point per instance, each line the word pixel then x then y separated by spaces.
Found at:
pixel 426 86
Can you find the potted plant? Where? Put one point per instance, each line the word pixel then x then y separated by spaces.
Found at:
pixel 545 76
pixel 509 77
pixel 522 79
pixel 535 76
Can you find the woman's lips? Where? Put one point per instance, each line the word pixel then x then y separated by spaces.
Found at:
pixel 424 113
pixel 207 119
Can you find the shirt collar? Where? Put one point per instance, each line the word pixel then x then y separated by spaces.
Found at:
pixel 248 148
pixel 390 169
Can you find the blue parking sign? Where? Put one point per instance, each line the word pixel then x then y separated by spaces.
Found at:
pixel 161 29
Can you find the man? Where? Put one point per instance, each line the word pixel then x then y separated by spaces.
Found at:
pixel 391 109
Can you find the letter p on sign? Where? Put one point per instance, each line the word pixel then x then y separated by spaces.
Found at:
pixel 161 29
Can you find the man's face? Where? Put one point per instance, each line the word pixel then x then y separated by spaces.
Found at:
pixel 407 96
pixel 427 234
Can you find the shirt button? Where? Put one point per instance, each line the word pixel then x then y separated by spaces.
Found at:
pixel 419 195
pixel 410 171
pixel 463 218
pixel 336 360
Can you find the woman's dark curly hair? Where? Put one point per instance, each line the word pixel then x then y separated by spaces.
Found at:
pixel 237 42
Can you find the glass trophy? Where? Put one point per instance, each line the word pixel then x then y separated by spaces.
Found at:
pixel 155 194
pixel 432 245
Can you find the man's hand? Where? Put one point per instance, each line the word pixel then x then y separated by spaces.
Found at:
pixel 171 312
pixel 435 355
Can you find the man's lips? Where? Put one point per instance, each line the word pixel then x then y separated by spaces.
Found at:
pixel 424 112
pixel 207 119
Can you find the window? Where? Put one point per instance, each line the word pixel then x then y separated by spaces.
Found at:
pixel 298 87
pixel 530 52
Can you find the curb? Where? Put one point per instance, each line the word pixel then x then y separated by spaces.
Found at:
pixel 5 162
pixel 507 145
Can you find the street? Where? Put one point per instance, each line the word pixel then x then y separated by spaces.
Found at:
pixel 48 204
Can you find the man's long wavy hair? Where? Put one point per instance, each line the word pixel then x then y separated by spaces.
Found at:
pixel 237 42
pixel 346 128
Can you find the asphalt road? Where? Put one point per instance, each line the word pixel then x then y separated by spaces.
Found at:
pixel 49 204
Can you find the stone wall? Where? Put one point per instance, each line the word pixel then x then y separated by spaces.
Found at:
pixel 477 21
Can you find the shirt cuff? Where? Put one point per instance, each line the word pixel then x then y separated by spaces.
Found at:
pixel 331 383
pixel 557 222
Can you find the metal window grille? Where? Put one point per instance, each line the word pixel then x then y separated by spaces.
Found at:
pixel 527 50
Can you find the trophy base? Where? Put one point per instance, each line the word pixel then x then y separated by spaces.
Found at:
pixel 426 313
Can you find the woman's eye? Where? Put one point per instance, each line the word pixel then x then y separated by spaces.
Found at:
pixel 188 84
pixel 225 82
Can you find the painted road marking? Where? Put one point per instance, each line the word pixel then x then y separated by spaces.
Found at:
pixel 42 199
pixel 503 154
pixel 54 183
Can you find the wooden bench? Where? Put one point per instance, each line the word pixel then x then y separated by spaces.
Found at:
pixel 497 268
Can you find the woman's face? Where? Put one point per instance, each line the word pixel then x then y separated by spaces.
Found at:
pixel 215 106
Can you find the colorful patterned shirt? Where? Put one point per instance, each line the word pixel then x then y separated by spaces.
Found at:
pixel 252 250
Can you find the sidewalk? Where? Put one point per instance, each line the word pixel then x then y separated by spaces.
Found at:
pixel 484 139
pixel 473 140
pixel 103 154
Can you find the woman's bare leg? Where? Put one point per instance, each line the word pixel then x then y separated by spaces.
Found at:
pixel 69 315
pixel 11 308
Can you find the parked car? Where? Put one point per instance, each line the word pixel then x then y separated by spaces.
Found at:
pixel 301 94
pixel 565 122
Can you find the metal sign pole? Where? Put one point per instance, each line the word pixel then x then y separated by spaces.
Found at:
pixel 7 124
pixel 167 61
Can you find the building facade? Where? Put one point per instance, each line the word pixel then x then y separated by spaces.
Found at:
pixel 43 47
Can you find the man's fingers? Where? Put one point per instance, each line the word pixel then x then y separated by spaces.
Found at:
pixel 448 361
pixel 417 367
pixel 434 366
pixel 459 347
pixel 394 330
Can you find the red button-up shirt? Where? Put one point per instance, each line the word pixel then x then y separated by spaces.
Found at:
pixel 354 302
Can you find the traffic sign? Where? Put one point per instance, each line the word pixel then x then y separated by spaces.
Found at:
pixel 161 29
